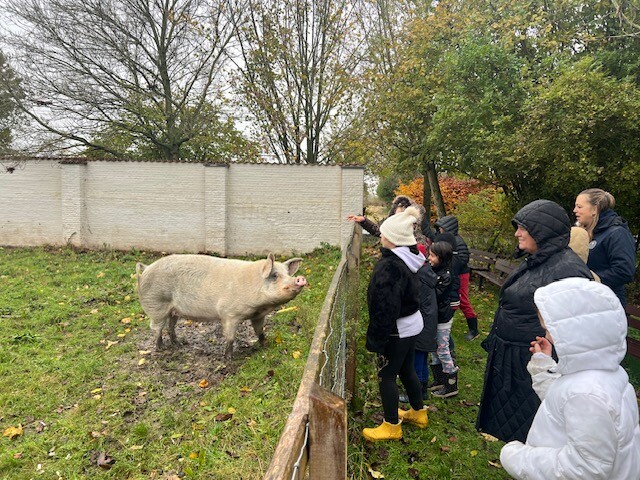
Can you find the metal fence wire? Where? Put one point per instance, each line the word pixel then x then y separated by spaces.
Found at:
pixel 332 373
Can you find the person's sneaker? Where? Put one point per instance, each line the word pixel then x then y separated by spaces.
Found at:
pixel 450 387
pixel 471 334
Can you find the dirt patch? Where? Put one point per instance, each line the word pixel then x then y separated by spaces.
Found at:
pixel 201 356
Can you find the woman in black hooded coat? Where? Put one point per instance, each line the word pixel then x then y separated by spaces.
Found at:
pixel 509 403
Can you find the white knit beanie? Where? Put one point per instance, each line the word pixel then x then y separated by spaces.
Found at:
pixel 398 228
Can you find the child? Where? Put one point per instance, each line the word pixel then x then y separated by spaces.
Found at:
pixel 587 424
pixel 445 372
pixel 394 323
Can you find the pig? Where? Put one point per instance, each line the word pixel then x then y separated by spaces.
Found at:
pixel 206 288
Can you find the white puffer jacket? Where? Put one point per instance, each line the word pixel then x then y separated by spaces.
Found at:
pixel 587 425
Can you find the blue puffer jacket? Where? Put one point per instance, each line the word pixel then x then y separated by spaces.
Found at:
pixel 612 253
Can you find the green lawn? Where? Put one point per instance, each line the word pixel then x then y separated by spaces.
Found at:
pixel 450 447
pixel 83 394
pixel 80 380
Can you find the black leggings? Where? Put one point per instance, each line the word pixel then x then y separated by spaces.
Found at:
pixel 397 360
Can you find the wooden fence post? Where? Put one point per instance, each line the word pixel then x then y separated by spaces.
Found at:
pixel 327 435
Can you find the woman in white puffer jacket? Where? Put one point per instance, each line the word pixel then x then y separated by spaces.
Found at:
pixel 587 425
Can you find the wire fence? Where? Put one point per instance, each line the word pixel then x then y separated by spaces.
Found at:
pixel 331 368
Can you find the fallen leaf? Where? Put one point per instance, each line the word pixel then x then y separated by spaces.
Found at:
pixel 296 354
pixel 144 352
pixel 232 454
pixel 433 440
pixel 474 453
pixel 445 449
pixel 102 460
pixel 40 426
pixel 488 438
pixel 94 311
pixel 204 383
pixel 136 447
pixel 413 473
pixel 96 390
pixel 223 417
pixel 126 320
pixel 375 473
pixel 142 361
pixel 453 439
pixel 100 275
pixel 12 432
pixel 289 309
pixel 193 455
pixel 231 410
pixel 245 390
pixel 110 344
pixel 495 464
pixel 18 455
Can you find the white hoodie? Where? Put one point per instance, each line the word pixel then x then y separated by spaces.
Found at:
pixel 587 425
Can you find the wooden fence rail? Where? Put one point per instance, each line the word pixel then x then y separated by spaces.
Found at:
pixel 313 443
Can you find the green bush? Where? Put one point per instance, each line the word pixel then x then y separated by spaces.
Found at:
pixel 485 222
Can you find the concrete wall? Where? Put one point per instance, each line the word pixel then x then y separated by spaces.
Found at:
pixel 179 207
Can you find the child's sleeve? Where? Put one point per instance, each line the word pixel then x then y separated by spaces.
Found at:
pixel 542 376
pixel 588 453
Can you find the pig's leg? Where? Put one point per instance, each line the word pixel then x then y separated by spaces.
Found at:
pixel 258 327
pixel 229 328
pixel 173 319
pixel 156 327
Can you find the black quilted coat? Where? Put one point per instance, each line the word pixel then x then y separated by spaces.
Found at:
pixel 426 341
pixel 508 402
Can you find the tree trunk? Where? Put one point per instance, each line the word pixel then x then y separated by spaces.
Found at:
pixel 426 195
pixel 432 175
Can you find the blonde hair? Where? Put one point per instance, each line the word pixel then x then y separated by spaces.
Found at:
pixel 600 199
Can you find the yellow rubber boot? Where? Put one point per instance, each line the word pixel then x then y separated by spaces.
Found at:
pixel 419 418
pixel 386 431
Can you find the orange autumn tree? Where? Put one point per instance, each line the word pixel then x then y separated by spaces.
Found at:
pixel 454 191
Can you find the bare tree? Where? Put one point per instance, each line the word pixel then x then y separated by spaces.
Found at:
pixel 145 70
pixel 298 62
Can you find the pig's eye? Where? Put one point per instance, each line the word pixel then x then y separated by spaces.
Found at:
pixel 274 275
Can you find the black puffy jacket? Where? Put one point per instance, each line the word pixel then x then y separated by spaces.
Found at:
pixel 393 292
pixel 508 402
pixel 460 264
pixel 426 341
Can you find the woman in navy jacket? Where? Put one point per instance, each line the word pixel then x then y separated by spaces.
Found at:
pixel 612 253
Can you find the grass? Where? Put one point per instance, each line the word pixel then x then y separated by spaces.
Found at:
pixel 450 447
pixel 92 404
pixel 76 375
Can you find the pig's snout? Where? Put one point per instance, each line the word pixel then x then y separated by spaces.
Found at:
pixel 300 281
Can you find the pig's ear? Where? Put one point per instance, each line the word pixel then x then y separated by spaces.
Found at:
pixel 293 264
pixel 268 266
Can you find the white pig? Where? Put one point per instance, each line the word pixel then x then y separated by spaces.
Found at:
pixel 206 288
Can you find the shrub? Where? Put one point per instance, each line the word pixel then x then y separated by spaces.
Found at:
pixel 485 221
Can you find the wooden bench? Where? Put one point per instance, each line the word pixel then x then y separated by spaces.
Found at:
pixel 498 273
pixel 633 319
pixel 480 260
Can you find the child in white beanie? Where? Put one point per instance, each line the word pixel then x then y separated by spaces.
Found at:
pixel 395 321
pixel 587 424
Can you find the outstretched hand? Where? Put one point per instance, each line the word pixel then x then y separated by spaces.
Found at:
pixel 355 218
pixel 542 345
